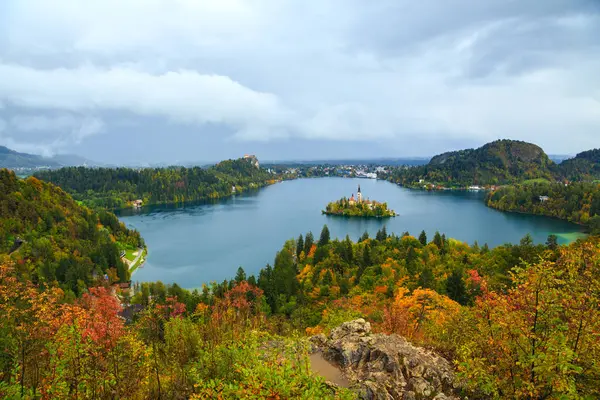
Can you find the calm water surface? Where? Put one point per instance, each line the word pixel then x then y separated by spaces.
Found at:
pixel 198 243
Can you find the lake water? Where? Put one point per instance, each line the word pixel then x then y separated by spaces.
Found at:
pixel 198 243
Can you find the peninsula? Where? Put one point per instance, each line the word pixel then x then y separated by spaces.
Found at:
pixel 358 207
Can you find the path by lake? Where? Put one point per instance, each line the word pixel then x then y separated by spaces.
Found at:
pixel 198 243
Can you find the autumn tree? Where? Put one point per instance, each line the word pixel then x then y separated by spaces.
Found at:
pixel 541 338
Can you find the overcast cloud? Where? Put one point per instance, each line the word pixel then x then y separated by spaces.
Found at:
pixel 174 80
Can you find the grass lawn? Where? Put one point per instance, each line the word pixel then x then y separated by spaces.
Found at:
pixel 139 262
pixel 129 254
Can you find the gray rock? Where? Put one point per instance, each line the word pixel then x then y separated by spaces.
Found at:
pixel 386 367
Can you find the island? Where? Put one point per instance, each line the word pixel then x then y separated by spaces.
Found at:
pixel 358 207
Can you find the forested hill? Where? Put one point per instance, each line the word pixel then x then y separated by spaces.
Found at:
pixel 577 202
pixel 584 166
pixel 119 187
pixel 13 159
pixel 499 162
pixel 53 240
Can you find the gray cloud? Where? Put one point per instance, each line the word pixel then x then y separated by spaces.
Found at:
pixel 280 73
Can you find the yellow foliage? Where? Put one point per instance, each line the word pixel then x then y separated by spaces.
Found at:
pixel 409 314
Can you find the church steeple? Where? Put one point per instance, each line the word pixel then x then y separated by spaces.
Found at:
pixel 359 195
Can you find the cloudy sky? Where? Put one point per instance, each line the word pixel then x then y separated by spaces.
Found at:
pixel 201 80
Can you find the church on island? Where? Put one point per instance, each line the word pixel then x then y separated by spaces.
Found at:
pixel 359 199
pixel 358 207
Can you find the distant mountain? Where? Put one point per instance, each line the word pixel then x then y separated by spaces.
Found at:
pixel 499 162
pixel 558 158
pixel 73 160
pixel 14 160
pixel 584 166
pixel 352 161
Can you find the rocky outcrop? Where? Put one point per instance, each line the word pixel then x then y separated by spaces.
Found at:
pixel 386 366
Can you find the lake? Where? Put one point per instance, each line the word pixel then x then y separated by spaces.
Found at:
pixel 197 243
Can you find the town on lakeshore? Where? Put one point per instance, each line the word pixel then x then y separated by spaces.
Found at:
pixel 358 207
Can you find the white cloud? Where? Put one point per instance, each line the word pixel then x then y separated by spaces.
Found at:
pixel 344 70
pixel 184 96
pixel 78 127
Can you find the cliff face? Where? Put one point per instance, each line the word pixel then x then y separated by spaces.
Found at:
pixel 386 367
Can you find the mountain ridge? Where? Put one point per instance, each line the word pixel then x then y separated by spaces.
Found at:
pixel 13 159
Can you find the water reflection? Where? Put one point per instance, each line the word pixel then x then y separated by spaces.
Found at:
pixel 197 243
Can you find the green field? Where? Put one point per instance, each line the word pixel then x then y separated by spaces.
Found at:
pixel 129 254
pixel 139 262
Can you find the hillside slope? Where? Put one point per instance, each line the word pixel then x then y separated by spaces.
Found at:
pixel 118 187
pixel 53 239
pixel 13 159
pixel 584 166
pixel 499 162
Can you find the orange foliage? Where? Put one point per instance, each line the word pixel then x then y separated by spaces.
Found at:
pixel 409 314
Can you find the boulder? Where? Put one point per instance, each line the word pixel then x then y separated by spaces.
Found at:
pixel 386 366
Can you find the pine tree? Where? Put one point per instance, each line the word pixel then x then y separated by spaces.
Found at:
pixel 365 236
pixel 366 261
pixel 381 235
pixel 299 246
pixel 241 275
pixel 423 238
pixel 308 242
pixel 455 287
pixel 426 279
pixel 348 253
pixel 324 239
pixel 437 240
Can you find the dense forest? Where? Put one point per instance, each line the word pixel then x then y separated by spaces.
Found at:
pixel 497 163
pixel 516 321
pixel 575 202
pixel 519 321
pixel 54 241
pixel 583 167
pixel 115 188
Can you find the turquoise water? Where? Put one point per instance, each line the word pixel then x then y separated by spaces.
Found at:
pixel 198 243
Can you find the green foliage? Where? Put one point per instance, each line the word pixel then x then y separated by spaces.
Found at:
pixel 584 166
pixel 369 209
pixel 114 188
pixel 325 236
pixel 539 339
pixel 260 366
pixel 499 162
pixel 53 239
pixel 576 202
pixel 423 238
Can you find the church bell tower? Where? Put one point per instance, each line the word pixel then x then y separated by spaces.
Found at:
pixel 359 195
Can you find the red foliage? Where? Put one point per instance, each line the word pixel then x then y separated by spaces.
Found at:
pixel 172 308
pixel 476 284
pixel 101 323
